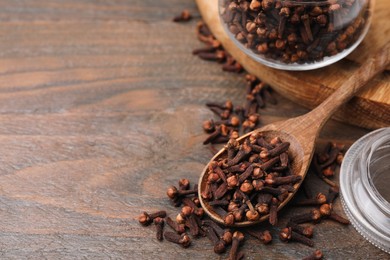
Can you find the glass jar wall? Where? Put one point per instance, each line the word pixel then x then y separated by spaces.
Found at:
pixel 296 35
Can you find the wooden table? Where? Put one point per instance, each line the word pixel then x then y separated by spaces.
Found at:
pixel 101 106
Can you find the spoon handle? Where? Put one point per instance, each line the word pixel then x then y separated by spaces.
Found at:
pixel 359 79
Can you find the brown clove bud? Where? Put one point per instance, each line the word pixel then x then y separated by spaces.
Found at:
pixel 159 222
pixel 265 237
pixel 185 16
pixel 218 56
pixel 208 126
pixel 319 199
pixel 286 234
pixel 238 237
pixel 326 211
pixel 222 202
pixel 312 216
pixel 146 218
pixel 224 234
pixel 173 192
pixel 239 213
pixel 305 231
pixel 316 255
pixel 280 148
pixel 251 214
pixel 197 211
pixel 271 180
pixel 179 228
pixel 244 150
pixel 273 212
pixel 258 184
pixel 246 187
pixel 184 240
pixel 219 245
pixel 184 184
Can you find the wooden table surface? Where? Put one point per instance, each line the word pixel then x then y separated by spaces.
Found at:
pixel 101 106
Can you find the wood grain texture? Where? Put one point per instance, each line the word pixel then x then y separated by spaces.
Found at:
pixel 369 109
pixel 100 110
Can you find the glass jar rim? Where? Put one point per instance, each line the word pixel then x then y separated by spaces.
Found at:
pixel 366 173
pixel 361 201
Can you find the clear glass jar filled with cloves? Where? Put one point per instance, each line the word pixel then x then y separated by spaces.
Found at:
pixel 296 35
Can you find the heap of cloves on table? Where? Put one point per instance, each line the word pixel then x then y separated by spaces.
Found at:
pixel 251 181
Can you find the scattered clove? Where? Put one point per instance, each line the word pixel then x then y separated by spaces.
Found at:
pixel 159 223
pixel 317 200
pixel 146 218
pixel 316 255
pixel 305 231
pixel 238 237
pixel 179 228
pixel 185 16
pixel 218 244
pixel 184 240
pixel 264 236
pixel 286 234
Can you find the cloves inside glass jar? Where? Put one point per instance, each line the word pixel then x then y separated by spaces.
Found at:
pixel 296 35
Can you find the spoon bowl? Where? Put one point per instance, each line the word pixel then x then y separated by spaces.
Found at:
pixel 297 153
pixel 301 132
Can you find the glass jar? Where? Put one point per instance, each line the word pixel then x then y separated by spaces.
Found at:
pixel 296 35
pixel 365 187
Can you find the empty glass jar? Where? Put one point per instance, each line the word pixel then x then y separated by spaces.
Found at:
pixel 296 35
pixel 365 187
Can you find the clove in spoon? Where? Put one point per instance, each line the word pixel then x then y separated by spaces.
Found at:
pixel 302 131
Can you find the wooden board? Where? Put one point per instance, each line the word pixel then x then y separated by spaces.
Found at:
pixel 370 109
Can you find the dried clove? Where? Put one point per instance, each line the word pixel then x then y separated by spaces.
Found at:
pixel 146 218
pixel 264 236
pixel 159 223
pixel 317 200
pixel 305 231
pixel 197 211
pixel 312 216
pixel 218 244
pixel 179 228
pixel 185 16
pixel 326 211
pixel 174 193
pixel 273 212
pixel 184 240
pixel 286 234
pixel 238 237
pixel 224 234
pixel 316 255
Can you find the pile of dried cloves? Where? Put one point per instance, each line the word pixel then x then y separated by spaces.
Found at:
pixel 250 180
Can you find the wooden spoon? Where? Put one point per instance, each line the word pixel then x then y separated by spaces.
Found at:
pixel 302 131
